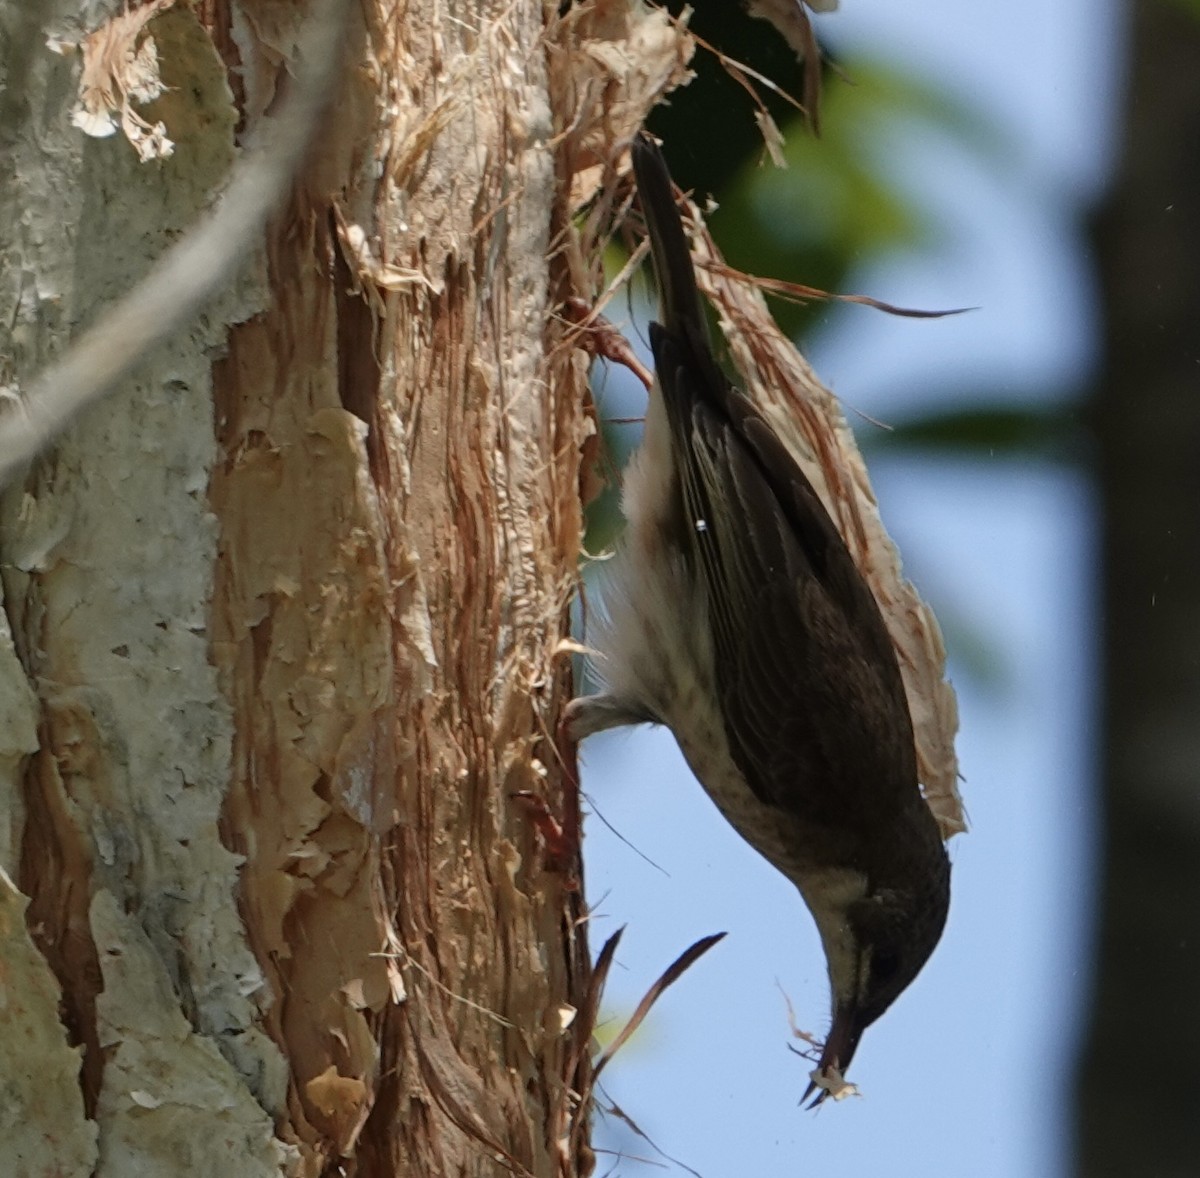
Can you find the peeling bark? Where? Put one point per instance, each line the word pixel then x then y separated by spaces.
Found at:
pixel 282 616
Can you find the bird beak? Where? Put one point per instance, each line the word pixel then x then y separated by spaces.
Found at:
pixel 839 1048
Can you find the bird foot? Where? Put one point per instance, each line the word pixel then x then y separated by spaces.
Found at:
pixel 599 337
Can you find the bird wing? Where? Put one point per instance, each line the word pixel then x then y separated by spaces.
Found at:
pixel 810 690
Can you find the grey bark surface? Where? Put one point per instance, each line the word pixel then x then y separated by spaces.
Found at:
pixel 282 614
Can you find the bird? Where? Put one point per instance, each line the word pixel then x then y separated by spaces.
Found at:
pixel 734 615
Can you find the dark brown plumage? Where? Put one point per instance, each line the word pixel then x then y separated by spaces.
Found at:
pixel 738 619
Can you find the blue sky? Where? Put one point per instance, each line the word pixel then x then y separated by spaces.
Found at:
pixel 969 1072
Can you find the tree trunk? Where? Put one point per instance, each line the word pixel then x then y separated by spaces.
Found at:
pixel 1139 1076
pixel 282 615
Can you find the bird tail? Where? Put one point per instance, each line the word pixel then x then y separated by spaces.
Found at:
pixel 681 306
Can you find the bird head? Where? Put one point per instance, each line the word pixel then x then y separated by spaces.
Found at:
pixel 886 936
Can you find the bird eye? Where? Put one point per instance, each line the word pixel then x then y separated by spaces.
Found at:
pixel 885 964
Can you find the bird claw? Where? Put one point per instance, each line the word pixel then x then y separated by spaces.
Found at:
pixel 598 337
